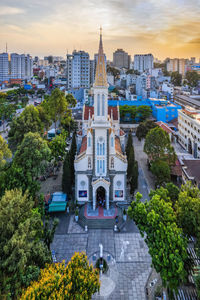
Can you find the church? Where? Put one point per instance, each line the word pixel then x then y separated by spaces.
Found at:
pixel 100 164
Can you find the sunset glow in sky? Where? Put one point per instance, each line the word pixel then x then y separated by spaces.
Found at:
pixel 165 28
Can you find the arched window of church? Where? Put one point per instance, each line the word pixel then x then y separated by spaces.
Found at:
pixel 98 148
pixel 112 142
pixel 100 165
pixel 103 166
pixel 98 105
pixel 103 105
pixel 89 141
pixel 97 166
pixel 103 148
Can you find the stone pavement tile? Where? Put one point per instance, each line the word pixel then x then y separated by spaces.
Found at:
pixel 130 247
pixel 100 236
pixel 66 245
pixel 74 227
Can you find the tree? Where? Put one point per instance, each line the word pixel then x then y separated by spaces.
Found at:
pixel 169 193
pixel 166 243
pixel 49 231
pixel 5 152
pixel 192 78
pixel 176 78
pixel 187 210
pixel 71 100
pixel 20 246
pixel 28 121
pixel 158 147
pixel 143 112
pixel 129 144
pixel 67 175
pixel 77 280
pixel 161 170
pixel 134 177
pixel 197 282
pixel 58 105
pixel 143 128
pixel 44 116
pixel 32 155
pixel 131 160
pixel 57 146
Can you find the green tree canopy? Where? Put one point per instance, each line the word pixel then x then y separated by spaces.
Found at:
pixel 77 280
pixel 176 78
pixel 57 146
pixel 71 100
pixel 32 155
pixel 58 105
pixel 158 147
pixel 161 170
pixel 20 247
pixel 28 121
pixel 164 239
pixel 143 128
pixel 5 152
pixel 188 210
pixel 192 78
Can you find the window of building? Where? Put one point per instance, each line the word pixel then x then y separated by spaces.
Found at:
pixel 89 141
pixel 112 142
pixel 98 105
pixel 103 106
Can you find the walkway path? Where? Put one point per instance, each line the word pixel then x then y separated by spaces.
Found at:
pixel 145 179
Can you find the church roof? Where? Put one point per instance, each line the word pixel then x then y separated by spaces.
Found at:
pixel 118 145
pixel 91 109
pixel 83 145
pixel 100 76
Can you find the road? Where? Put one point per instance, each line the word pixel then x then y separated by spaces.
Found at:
pixel 145 178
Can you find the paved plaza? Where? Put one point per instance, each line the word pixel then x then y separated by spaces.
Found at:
pixel 126 254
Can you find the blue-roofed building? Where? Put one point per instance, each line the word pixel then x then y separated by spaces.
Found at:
pixel 162 110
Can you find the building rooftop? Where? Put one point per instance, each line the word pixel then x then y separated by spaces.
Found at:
pixel 83 147
pixel 192 168
pixel 165 127
pixel 114 110
pixel 118 145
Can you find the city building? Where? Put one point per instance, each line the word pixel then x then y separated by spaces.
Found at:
pixel 100 163
pixel 4 67
pixel 143 62
pixel 121 59
pixel 189 130
pixel 78 69
pixel 190 171
pixel 172 65
pixel 177 65
pixel 168 88
pixel 15 66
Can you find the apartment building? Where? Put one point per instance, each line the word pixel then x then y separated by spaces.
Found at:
pixel 78 69
pixel 4 67
pixel 143 62
pixel 121 59
pixel 189 130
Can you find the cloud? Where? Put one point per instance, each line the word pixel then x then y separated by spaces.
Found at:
pixel 8 10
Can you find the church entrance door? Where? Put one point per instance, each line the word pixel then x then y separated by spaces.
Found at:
pixel 101 196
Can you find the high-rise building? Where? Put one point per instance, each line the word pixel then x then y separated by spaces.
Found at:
pixel 21 66
pixel 143 62
pixel 121 59
pixel 4 67
pixel 78 69
pixel 177 65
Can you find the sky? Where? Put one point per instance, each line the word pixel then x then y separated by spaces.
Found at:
pixel 165 28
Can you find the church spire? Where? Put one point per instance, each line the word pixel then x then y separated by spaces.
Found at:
pixel 100 77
